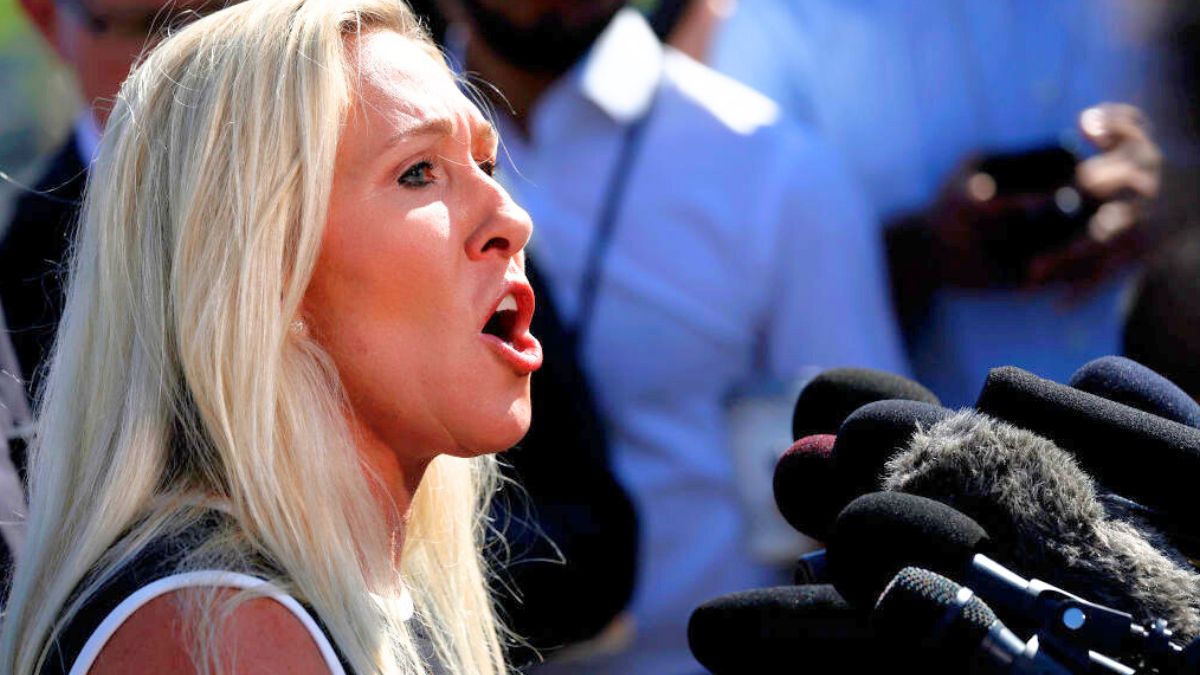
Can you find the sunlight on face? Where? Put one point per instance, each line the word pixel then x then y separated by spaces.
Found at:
pixel 420 250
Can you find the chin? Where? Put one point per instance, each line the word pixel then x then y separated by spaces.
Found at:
pixel 500 433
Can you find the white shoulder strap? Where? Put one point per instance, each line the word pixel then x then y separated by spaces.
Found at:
pixel 91 649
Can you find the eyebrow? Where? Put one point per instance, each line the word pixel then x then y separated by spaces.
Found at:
pixel 441 126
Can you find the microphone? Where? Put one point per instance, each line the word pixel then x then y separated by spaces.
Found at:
pixel 820 474
pixel 804 486
pixel 1189 658
pixel 811 568
pixel 1144 457
pixel 952 627
pixel 786 629
pixel 1126 381
pixel 881 533
pixel 871 436
pixel 832 395
pixel 1042 512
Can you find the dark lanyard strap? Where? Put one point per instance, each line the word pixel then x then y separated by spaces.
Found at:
pixel 614 197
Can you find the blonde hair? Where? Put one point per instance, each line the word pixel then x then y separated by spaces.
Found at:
pixel 176 372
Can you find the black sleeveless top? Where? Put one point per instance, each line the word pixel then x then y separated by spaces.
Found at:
pixel 151 573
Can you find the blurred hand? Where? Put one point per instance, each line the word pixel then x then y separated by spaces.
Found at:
pixel 1123 178
pixel 977 242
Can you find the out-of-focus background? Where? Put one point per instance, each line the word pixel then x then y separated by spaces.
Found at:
pixel 40 100
pixel 38 104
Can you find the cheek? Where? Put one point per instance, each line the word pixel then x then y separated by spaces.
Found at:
pixel 383 306
pixel 379 270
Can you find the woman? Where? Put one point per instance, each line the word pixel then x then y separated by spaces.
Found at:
pixel 297 324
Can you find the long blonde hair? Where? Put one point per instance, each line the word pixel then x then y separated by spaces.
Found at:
pixel 176 372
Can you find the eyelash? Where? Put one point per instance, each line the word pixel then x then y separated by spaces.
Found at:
pixel 420 174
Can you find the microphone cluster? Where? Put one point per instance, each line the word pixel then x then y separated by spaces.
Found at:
pixel 1050 529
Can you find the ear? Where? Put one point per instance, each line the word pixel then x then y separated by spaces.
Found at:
pixel 44 14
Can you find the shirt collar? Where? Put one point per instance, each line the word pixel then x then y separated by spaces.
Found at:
pixel 621 72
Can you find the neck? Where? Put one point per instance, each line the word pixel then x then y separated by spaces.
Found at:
pixel 515 89
pixel 394 481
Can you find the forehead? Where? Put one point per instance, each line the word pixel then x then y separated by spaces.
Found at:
pixel 397 85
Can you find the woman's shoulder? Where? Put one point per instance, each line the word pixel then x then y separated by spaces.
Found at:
pixel 268 634
pixel 141 619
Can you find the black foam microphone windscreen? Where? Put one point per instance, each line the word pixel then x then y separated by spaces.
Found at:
pixel 786 629
pixel 1045 519
pixel 879 534
pixel 1144 457
pixel 871 435
pixel 804 486
pixel 1123 380
pixel 831 396
pixel 820 474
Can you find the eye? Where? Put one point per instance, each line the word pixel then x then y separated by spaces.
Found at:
pixel 418 175
pixel 488 166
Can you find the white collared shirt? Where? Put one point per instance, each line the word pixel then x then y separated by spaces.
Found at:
pixel 740 254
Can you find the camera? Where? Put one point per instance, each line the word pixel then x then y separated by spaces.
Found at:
pixel 1030 205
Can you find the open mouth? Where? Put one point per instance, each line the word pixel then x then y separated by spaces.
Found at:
pixel 503 321
pixel 507 330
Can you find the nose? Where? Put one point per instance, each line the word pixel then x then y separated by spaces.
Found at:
pixel 504 228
